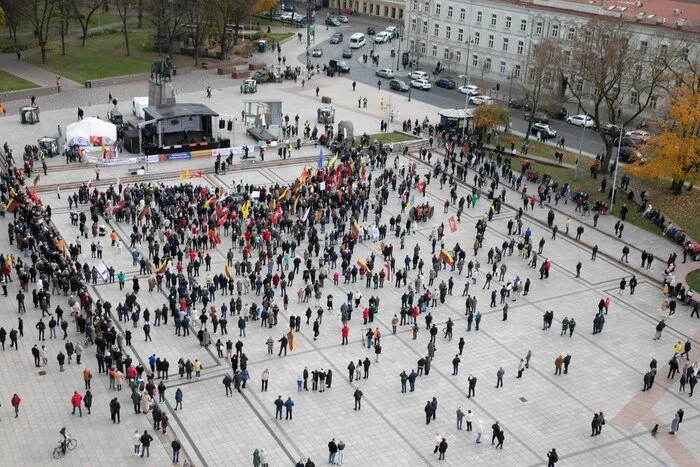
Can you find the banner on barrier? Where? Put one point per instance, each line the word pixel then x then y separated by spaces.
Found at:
pixel 236 150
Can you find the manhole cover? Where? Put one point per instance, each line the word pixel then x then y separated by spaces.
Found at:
pixel 42 373
pixel 522 399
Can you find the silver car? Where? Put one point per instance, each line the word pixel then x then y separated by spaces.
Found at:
pixel 385 73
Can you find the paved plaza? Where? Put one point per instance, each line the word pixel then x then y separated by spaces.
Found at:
pixel 537 412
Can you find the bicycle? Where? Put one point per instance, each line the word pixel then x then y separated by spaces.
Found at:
pixel 59 451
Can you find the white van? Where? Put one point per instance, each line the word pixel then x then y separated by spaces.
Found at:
pixel 357 40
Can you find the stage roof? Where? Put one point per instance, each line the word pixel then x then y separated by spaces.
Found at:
pixel 166 112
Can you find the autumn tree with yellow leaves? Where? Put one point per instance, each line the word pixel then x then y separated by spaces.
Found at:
pixel 487 117
pixel 675 153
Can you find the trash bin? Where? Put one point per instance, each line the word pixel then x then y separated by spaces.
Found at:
pixel 393 53
pixel 88 84
pixel 262 46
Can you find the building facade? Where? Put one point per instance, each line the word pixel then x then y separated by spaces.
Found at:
pixel 390 9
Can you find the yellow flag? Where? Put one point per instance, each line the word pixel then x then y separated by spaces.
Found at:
pixel 185 173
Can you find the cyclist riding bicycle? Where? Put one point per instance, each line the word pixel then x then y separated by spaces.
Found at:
pixel 64 439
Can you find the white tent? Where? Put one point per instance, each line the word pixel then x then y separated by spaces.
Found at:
pixel 91 131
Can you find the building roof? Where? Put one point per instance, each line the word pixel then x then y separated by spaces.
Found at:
pixel 166 112
pixel 676 14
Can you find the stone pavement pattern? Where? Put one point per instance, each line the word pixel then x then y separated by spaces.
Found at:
pixel 537 412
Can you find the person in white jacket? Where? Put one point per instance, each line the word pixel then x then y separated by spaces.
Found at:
pixel 438 440
pixel 479 431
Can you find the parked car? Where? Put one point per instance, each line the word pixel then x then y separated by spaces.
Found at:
pixel 445 83
pixel 537 117
pixel 612 130
pixel 522 104
pixel 347 53
pixel 423 84
pixel 469 90
pixel 393 32
pixel 398 85
pixel 580 120
pixel 639 136
pixel 626 142
pixel 417 74
pixel 371 31
pixel 385 73
pixel 331 21
pixel 339 65
pixel 286 16
pixel 317 52
pixel 336 38
pixel 561 114
pixel 630 154
pixel 480 99
pixel 342 18
pixel 382 37
pixel 286 7
pixel 543 129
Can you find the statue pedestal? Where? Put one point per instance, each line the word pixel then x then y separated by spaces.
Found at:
pixel 160 93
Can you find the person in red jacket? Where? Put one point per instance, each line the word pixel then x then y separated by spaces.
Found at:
pixel 15 403
pixel 345 333
pixel 76 400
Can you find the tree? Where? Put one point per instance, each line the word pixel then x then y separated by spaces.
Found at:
pixel 123 7
pixel 12 10
pixel 543 68
pixel 266 6
pixel 229 14
pixel 2 17
pixel 612 79
pixel 199 17
pixel 83 10
pixel 168 17
pixel 39 13
pixel 675 152
pixel 487 117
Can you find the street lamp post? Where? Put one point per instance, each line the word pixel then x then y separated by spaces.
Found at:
pixel 617 163
pixel 470 41
pixel 310 9
pixel 510 87
pixel 580 147
pixel 466 104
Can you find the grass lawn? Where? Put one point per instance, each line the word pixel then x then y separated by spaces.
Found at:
pixel 693 280
pixel 388 138
pixel 80 63
pixel 278 36
pixel 683 209
pixel 10 82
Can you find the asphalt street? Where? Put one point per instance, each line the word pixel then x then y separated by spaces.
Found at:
pixel 440 97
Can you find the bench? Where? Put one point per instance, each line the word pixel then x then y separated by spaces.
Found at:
pixel 238 74
pixel 226 69
pixel 256 66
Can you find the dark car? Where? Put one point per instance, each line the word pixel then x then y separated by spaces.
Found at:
pixel 288 8
pixel 445 83
pixel 626 142
pixel 371 31
pixel 522 104
pixel 336 38
pixel 347 53
pixel 537 117
pixel 612 130
pixel 398 85
pixel 338 65
pixel 561 114
pixel 630 154
pixel 543 130
pixel 331 21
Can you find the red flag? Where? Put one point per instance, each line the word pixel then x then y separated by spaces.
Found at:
pixel 197 174
pixel 420 187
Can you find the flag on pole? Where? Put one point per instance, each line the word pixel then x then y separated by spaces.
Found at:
pixel 332 162
pixel 162 266
pixel 197 174
pixel 296 202
pixel 363 265
pixel 36 179
pixel 143 212
pixel 284 194
pixel 290 339
pixel 420 187
pixel 245 209
pixel 208 202
pixel 320 159
pixel 184 174
pixel 304 175
pixel 389 275
pixel 11 205
pixel 356 229
pixel 306 214
pixel 445 255
pixel 227 270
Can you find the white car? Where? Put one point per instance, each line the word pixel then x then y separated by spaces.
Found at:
pixel 423 84
pixel 580 120
pixel 385 73
pixel 479 100
pixel 469 90
pixel 418 75
pixel 342 18
pixel 382 37
pixel 638 136
pixel 286 16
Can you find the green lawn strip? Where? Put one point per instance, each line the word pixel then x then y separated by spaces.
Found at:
pixel 693 280
pixel 387 138
pixel 80 63
pixel 10 82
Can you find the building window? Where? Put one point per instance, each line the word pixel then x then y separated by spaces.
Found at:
pixel 505 44
pixel 663 50
pixel 460 35
pixel 414 25
pixel 572 34
pixel 494 19
pixel 490 41
pixel 415 5
pixel 538 28
pixel 643 46
pixel 523 25
pixel 508 22
pixel 475 60
pixel 503 67
pixel 567 57
pixel 436 29
pixel 555 31
pixel 438 7
pixel 487 64
pixel 446 54
pixel 435 51
pixel 422 48
pixel 458 56
pixel 450 10
pixel 426 7
pixel 448 32
pixel 587 37
pixel 462 14
pixel 478 17
pixel 521 47
pixel 411 46
pixel 477 37
pixel 425 27
pixel 653 102
pixel 516 71
pixel 578 85
pixel 386 11
pixel 634 97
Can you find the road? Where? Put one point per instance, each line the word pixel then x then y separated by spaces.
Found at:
pixel 441 98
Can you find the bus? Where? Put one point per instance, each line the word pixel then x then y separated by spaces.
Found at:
pixel 357 40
